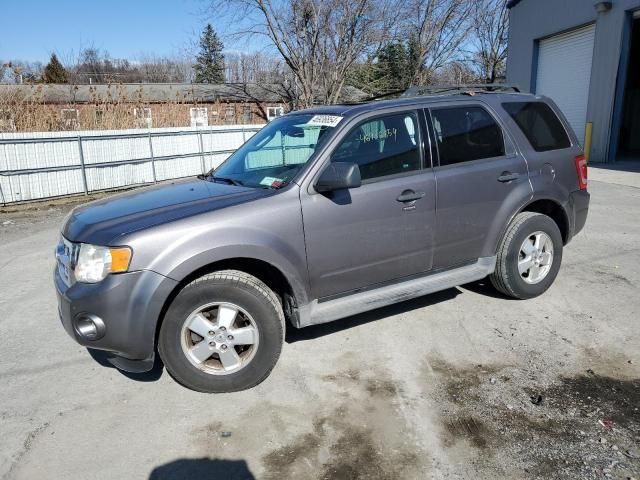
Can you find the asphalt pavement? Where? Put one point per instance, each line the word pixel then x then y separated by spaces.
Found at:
pixel 460 384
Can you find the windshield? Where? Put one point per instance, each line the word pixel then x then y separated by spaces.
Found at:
pixel 275 155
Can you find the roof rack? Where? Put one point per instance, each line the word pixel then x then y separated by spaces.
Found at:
pixel 472 89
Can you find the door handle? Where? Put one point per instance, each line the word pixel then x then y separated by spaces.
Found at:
pixel 508 177
pixel 410 196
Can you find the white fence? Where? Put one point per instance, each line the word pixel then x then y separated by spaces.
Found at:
pixel 51 164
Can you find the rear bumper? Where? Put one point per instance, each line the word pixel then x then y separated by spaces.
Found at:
pixel 578 209
pixel 128 305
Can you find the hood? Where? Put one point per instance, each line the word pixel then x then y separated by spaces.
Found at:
pixel 102 221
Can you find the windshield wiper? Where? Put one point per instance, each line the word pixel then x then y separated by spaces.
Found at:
pixel 230 181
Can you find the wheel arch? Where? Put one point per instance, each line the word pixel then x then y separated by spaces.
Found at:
pixel 553 210
pixel 270 274
pixel 545 205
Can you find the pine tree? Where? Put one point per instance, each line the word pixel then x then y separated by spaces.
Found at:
pixel 54 72
pixel 415 69
pixel 392 68
pixel 209 67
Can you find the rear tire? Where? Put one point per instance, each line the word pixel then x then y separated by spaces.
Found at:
pixel 222 333
pixel 528 257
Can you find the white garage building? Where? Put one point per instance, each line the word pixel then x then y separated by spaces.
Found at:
pixel 585 55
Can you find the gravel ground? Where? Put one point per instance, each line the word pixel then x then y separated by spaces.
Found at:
pixel 461 384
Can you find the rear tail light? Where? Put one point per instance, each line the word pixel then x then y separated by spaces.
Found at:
pixel 581 170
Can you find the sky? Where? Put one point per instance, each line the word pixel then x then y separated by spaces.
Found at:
pixel 32 30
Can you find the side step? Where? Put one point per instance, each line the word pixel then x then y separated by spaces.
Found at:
pixel 342 307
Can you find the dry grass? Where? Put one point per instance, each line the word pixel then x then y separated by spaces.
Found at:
pixel 113 111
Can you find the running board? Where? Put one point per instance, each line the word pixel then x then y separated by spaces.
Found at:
pixel 327 311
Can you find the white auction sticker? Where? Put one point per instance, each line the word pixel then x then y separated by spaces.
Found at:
pixel 325 120
pixel 269 181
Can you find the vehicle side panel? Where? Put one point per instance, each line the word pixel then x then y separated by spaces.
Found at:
pixel 473 207
pixel 269 230
pixel 553 173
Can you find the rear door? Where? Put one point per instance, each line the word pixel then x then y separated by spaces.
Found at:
pixel 372 234
pixel 479 178
pixel 553 148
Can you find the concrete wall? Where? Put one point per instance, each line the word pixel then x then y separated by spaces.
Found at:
pixel 532 20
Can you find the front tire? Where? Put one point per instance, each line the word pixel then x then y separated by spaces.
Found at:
pixel 222 333
pixel 528 257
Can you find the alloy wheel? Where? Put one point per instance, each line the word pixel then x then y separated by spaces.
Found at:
pixel 535 257
pixel 219 338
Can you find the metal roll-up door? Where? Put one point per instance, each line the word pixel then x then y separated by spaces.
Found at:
pixel 564 73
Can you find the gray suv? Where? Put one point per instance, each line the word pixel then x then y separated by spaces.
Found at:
pixel 323 214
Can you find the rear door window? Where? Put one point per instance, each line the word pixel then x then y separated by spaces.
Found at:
pixel 539 124
pixel 466 133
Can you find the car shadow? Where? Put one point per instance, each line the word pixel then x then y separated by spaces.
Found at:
pixel 202 469
pixel 315 331
pixel 484 287
pixel 102 358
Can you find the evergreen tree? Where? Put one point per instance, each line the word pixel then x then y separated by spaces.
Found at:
pixel 209 67
pixel 389 70
pixel 54 72
pixel 414 67
pixel 392 68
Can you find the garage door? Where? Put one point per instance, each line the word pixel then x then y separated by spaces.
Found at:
pixel 564 73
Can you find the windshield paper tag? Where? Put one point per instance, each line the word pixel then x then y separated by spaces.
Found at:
pixel 325 120
pixel 271 181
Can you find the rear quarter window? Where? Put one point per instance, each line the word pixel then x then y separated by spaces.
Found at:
pixel 540 125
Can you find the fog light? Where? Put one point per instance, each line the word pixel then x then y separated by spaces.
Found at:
pixel 89 327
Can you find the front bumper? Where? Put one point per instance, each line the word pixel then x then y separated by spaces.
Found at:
pixel 128 304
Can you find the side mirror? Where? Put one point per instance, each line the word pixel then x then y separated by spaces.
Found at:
pixel 339 176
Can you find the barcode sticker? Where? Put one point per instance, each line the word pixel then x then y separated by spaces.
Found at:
pixel 325 120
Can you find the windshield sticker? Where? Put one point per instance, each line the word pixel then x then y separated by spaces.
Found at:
pixel 325 120
pixel 271 182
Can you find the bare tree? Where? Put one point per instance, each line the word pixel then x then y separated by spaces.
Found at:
pixel 4 68
pixel 155 69
pixel 319 40
pixel 456 73
pixel 490 31
pixel 93 65
pixel 253 67
pixel 19 71
pixel 436 29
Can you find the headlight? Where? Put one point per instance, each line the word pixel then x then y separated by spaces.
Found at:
pixel 94 263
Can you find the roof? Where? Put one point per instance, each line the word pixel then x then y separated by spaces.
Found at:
pixel 348 110
pixel 158 93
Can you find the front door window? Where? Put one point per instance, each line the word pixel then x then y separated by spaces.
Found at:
pixel 382 147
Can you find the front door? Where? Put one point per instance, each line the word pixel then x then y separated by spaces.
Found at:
pixel 383 230
pixel 478 171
